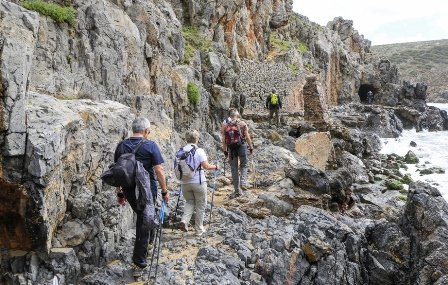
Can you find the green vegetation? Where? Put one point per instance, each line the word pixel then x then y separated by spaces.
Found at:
pixel 393 184
pixel 301 47
pixel 407 179
pixel 403 198
pixel 57 12
pixel 420 62
pixel 194 41
pixel 294 68
pixel 278 43
pixel 193 93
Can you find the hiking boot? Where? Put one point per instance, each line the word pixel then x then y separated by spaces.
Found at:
pixel 183 226
pixel 138 270
pixel 200 233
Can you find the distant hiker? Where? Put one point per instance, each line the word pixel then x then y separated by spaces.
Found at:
pixel 274 104
pixel 228 119
pixel 236 141
pixel 149 155
pixel 193 181
pixel 370 97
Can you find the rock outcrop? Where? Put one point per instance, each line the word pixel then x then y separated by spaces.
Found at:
pixel 313 216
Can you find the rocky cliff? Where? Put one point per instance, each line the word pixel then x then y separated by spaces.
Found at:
pixel 318 211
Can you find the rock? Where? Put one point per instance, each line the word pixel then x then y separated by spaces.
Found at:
pixel 425 222
pixel 316 147
pixel 65 262
pixel 413 144
pixel 432 170
pixel 277 206
pixel 411 158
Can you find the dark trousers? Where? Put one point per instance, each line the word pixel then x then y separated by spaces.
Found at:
pixel 142 229
pixel 238 167
pixel 274 112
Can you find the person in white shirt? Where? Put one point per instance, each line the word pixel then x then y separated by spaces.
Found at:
pixel 194 189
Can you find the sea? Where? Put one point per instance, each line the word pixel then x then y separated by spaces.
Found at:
pixel 431 149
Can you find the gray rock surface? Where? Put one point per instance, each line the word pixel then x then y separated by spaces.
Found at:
pixel 69 94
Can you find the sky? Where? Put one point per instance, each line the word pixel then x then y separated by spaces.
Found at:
pixel 383 21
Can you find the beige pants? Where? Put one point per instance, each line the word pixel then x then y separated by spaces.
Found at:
pixel 196 199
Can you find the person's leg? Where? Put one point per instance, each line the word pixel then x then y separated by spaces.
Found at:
pixel 242 153
pixel 200 195
pixel 271 114
pixel 234 169
pixel 277 116
pixel 187 191
pixel 142 238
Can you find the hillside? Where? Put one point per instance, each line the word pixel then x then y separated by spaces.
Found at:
pixel 421 62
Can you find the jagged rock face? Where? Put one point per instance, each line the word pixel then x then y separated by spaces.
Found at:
pixel 131 52
pixel 18 35
pixel 68 146
pixel 315 106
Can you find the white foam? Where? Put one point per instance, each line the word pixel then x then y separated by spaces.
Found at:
pixel 432 147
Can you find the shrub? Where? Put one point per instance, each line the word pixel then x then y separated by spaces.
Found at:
pixel 393 184
pixel 194 41
pixel 301 47
pixel 193 93
pixel 57 12
pixel 407 179
pixel 278 43
pixel 294 68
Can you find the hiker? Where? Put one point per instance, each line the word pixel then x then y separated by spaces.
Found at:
pixel 227 120
pixel 236 141
pixel 194 186
pixel 370 97
pixel 274 104
pixel 149 155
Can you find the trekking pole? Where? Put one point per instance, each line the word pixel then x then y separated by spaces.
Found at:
pixel 162 216
pixel 224 163
pixel 254 173
pixel 177 206
pixel 213 195
pixel 157 239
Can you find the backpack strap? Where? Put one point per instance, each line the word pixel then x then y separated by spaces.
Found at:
pixel 134 151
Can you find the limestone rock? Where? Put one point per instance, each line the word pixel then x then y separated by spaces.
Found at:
pixel 316 147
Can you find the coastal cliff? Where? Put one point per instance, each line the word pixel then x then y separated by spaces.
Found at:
pixel 70 91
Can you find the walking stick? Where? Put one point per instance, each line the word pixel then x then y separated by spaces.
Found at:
pixel 254 173
pixel 159 237
pixel 224 163
pixel 177 206
pixel 162 216
pixel 213 194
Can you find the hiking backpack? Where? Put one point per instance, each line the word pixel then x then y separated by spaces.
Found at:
pixel 122 173
pixel 274 99
pixel 233 135
pixel 184 164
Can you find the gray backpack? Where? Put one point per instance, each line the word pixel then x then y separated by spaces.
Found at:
pixel 122 172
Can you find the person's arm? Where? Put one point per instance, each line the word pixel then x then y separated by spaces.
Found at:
pixel 223 137
pixel 160 172
pixel 248 138
pixel 207 166
pixel 267 101
pixel 280 101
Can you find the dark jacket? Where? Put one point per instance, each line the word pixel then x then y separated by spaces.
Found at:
pixel 268 102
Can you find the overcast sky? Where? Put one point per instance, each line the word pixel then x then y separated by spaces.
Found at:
pixel 383 21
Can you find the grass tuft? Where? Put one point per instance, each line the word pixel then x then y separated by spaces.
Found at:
pixel 57 12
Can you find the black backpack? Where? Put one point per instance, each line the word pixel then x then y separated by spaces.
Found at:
pixel 122 172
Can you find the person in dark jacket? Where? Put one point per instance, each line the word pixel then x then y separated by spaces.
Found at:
pixel 274 104
pixel 151 158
